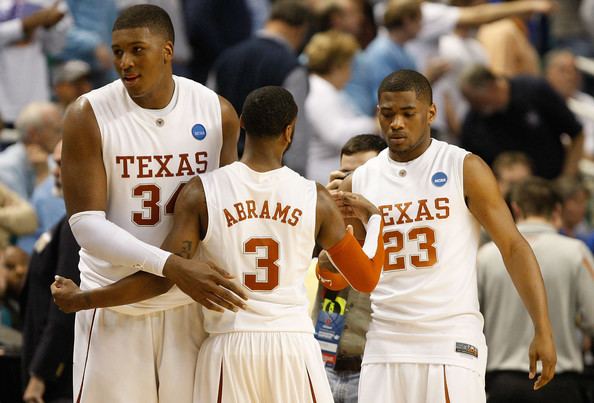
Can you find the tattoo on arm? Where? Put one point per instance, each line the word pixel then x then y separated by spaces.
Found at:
pixel 186 251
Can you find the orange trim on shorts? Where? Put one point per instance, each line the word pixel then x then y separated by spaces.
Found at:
pixel 220 394
pixel 311 389
pixel 445 384
pixel 82 381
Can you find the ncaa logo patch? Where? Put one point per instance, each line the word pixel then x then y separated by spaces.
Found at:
pixel 439 179
pixel 199 131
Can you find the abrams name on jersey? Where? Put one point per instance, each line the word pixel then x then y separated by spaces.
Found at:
pixel 250 209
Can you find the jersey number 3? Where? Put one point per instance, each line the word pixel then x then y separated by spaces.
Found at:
pixel 394 242
pixel 265 277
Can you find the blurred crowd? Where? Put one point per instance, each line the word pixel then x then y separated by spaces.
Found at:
pixel 513 83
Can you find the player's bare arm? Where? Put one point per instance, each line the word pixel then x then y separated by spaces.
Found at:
pixel 230 124
pixel 485 13
pixel 486 204
pixel 360 267
pixel 207 284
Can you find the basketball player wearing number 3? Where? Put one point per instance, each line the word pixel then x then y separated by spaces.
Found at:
pixel 259 220
pixel 425 341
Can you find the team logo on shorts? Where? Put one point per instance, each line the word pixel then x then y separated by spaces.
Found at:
pixel 199 131
pixel 466 349
pixel 439 179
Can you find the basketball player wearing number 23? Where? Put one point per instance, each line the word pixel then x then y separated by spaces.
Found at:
pixel 425 341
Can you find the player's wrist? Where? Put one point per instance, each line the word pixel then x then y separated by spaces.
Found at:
pixel 171 267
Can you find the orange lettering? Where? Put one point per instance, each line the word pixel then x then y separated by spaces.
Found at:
pixel 295 216
pixel 230 219
pixel 264 213
pixel 386 215
pixel 442 204
pixel 423 212
pixel 184 166
pixel 240 211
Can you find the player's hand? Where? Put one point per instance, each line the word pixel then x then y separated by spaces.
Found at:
pixel 542 349
pixel 336 178
pixel 354 205
pixel 67 295
pixel 34 391
pixel 206 283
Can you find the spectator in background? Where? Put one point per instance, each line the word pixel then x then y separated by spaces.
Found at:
pixel 331 115
pixel 563 75
pixel 29 31
pixel 568 271
pixel 340 15
pixel 24 165
pixel 13 270
pixel 48 333
pixel 574 206
pixel 90 37
pixel 48 202
pixel 520 114
pixel 343 367
pixel 270 58
pixel 384 54
pixel 459 49
pixel 440 19
pixel 213 26
pixel 511 167
pixel 508 47
pixel 17 217
pixel 71 80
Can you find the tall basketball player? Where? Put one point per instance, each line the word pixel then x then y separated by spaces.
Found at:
pixel 129 148
pixel 261 220
pixel 425 341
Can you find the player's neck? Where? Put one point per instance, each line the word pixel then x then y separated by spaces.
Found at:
pixel 261 159
pixel 159 98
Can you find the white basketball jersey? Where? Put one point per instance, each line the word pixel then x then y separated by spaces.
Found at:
pixel 425 307
pixel 261 229
pixel 148 156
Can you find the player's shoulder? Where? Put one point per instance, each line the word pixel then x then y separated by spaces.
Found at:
pixel 192 85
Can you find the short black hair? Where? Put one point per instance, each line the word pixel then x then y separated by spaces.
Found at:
pixel 535 196
pixel 407 80
pixel 146 16
pixel 362 143
pixel 267 111
pixel 292 12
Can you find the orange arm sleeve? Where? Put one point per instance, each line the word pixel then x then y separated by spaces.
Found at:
pixel 361 272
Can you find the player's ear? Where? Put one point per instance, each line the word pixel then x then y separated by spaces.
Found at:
pixel 241 122
pixel 168 52
pixel 431 113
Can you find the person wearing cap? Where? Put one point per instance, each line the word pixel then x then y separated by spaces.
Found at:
pixel 71 80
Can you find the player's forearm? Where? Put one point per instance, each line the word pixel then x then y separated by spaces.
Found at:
pixel 485 13
pixel 135 288
pixel 105 240
pixel 524 271
pixel 360 266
